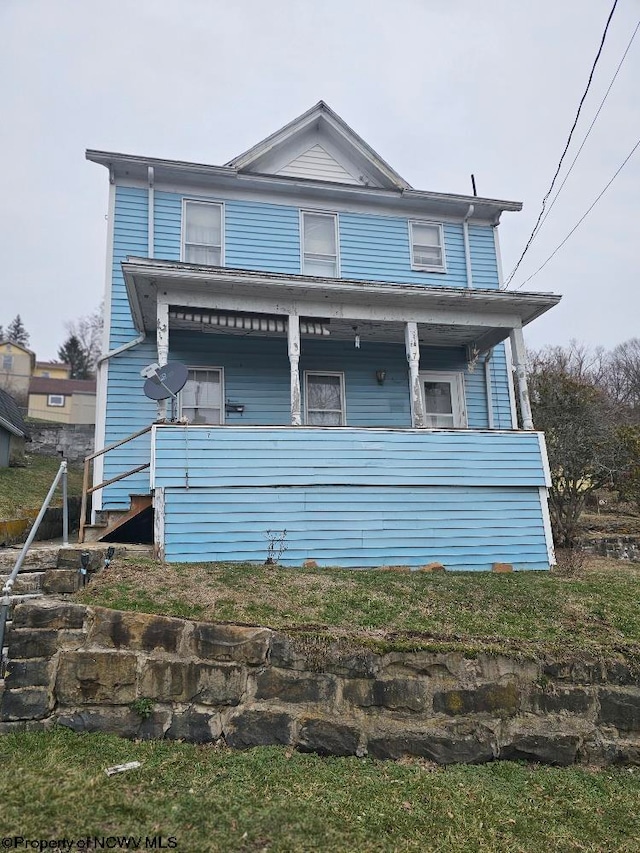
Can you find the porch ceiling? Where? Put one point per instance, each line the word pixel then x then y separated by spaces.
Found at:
pixel 445 316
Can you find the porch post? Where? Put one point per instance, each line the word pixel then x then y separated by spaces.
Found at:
pixel 162 342
pixel 518 354
pixel 413 357
pixel 293 340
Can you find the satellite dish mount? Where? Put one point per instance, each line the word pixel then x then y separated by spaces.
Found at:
pixel 163 383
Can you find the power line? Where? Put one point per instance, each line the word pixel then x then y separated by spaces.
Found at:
pixel 583 217
pixel 606 95
pixel 566 147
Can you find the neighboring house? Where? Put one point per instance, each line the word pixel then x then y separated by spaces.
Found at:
pixel 68 401
pixel 52 370
pixel 349 355
pixel 16 366
pixel 13 431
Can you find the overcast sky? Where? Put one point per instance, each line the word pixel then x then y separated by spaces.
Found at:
pixel 440 88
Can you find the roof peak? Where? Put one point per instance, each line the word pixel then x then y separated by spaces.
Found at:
pixel 320 125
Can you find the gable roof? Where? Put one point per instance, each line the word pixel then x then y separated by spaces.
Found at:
pixel 29 352
pixel 344 152
pixel 10 417
pixel 47 385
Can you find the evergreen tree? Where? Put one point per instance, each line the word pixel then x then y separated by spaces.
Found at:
pixel 72 353
pixel 17 333
pixel 1 333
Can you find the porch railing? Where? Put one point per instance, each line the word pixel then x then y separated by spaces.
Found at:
pixel 87 490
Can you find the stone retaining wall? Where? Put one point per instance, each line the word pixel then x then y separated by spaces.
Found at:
pixel 65 441
pixel 136 675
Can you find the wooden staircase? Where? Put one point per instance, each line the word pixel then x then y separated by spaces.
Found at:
pixel 111 521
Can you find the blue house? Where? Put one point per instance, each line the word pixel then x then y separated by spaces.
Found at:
pixel 352 363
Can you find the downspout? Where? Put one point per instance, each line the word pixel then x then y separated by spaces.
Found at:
pixel 467 249
pixel 489 388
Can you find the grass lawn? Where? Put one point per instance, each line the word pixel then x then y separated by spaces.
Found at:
pixel 53 785
pixel 24 489
pixel 530 613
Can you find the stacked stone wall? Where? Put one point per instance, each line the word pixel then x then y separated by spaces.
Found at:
pixel 93 669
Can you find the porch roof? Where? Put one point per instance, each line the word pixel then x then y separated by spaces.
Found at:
pixel 446 316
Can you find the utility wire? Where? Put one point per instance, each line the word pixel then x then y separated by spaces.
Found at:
pixel 606 95
pixel 566 147
pixel 583 217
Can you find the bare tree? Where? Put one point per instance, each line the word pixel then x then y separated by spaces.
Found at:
pixel 622 377
pixel 88 332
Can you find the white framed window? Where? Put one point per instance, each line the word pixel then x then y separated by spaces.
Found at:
pixel 7 362
pixel 55 400
pixel 319 243
pixel 202 398
pixel 427 246
pixel 443 398
pixel 202 233
pixel 324 402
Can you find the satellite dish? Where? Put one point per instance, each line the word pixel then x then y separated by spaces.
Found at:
pixel 167 381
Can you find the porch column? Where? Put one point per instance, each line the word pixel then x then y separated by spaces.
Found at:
pixel 518 354
pixel 413 357
pixel 293 340
pixel 162 342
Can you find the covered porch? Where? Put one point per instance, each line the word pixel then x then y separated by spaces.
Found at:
pixel 342 352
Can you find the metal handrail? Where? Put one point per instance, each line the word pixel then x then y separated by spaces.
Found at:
pixel 86 490
pixel 5 601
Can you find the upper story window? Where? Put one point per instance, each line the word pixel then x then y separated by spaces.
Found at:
pixel 7 362
pixel 202 233
pixel 320 244
pixel 427 247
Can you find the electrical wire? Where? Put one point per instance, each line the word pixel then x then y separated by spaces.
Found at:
pixel 566 147
pixel 586 136
pixel 584 216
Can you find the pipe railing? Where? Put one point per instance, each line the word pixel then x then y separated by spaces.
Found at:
pixel 86 490
pixel 5 600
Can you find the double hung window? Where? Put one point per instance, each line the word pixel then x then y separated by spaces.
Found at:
pixel 443 397
pixel 319 244
pixel 324 399
pixel 202 232
pixel 201 398
pixel 427 247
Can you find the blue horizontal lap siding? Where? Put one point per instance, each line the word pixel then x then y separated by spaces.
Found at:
pixel 377 248
pixel 314 456
pixel 352 498
pixel 484 265
pixel 368 526
pixel 128 410
pixel 500 388
pixel 262 236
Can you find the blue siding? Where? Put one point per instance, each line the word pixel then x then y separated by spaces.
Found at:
pixel 368 526
pixel 352 498
pixel 315 456
pixel 130 237
pixel 377 247
pixel 128 410
pixel 261 236
pixel 484 266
